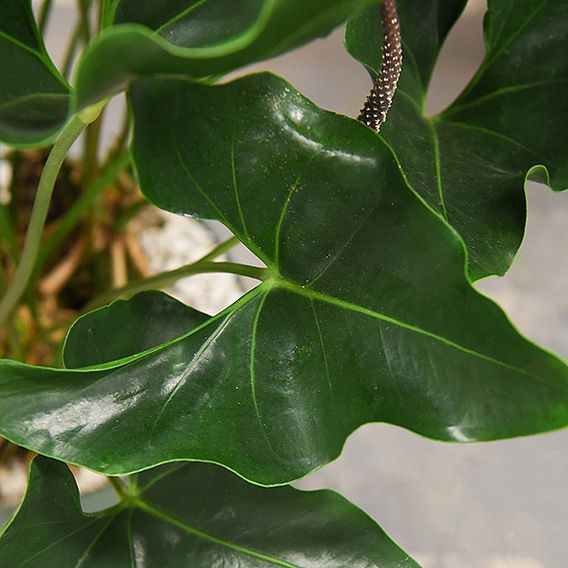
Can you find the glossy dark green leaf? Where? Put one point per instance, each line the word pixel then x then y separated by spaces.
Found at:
pixel 194 515
pixel 367 314
pixel 34 98
pixel 148 320
pixel 470 162
pixel 200 38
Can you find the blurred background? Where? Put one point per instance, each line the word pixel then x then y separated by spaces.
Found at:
pixel 497 505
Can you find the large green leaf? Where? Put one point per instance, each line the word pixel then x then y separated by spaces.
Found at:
pixel 192 515
pixel 367 314
pixel 470 162
pixel 34 98
pixel 200 38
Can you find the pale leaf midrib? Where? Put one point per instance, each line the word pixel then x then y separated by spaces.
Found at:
pixel 152 510
pixel 344 304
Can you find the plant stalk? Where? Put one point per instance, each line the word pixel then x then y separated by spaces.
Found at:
pixel 220 249
pixel 39 214
pixel 44 13
pixel 106 13
pixel 119 487
pixel 84 20
pixel 91 157
pixel 69 58
pixel 73 216
pixel 165 279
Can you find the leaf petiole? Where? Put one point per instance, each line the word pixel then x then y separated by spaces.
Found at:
pixel 220 249
pixel 73 216
pixel 165 279
pixel 32 242
pixel 84 20
pixel 44 13
pixel 120 487
pixel 108 8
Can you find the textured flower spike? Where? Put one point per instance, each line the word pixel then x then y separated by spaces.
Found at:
pixel 379 101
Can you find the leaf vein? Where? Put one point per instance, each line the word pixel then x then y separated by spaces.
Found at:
pixel 499 93
pixel 344 304
pixel 202 191
pixel 491 59
pixel 334 258
pixel 495 134
pixel 180 16
pixel 57 542
pixel 514 35
pixel 160 477
pixel 252 376
pixel 131 552
pixel 85 555
pixel 438 165
pixel 236 188
pixel 323 353
pixel 278 233
pixel 171 519
pixel 187 371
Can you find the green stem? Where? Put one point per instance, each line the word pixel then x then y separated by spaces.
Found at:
pixel 91 158
pixel 120 488
pixel 74 215
pixel 127 214
pixel 133 484
pixel 107 13
pixel 220 249
pixel 74 40
pixel 122 138
pixel 84 20
pixel 69 58
pixel 39 215
pixel 260 558
pixel 166 279
pixel 44 15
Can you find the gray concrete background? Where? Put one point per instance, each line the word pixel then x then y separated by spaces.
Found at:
pixel 497 505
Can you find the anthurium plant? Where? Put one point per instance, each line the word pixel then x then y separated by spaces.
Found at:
pixel 363 311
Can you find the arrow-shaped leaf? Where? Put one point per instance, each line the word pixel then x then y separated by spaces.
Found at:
pixel 192 515
pixel 34 98
pixel 366 316
pixel 471 161
pixel 200 38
